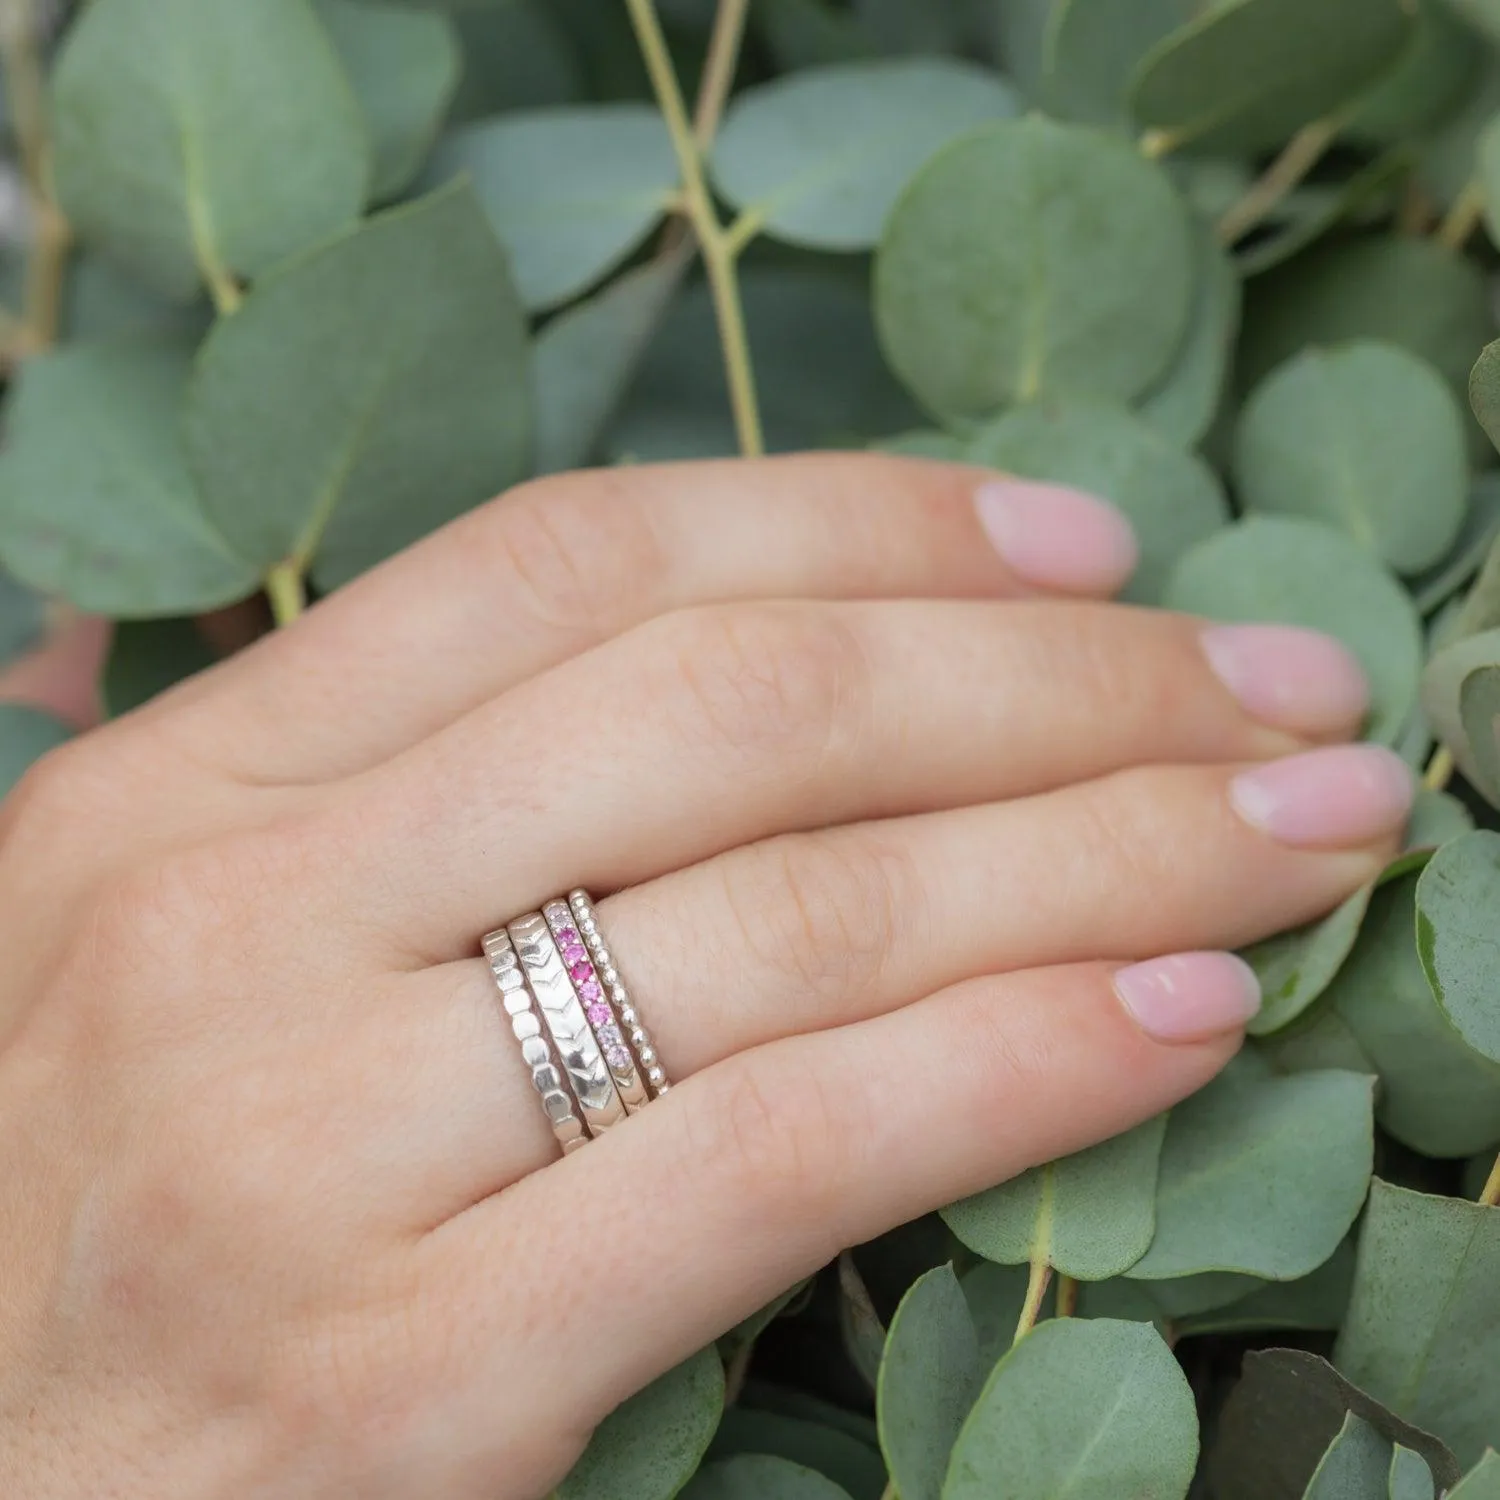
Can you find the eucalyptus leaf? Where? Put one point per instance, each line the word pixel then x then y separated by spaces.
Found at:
pixel 22 618
pixel 1297 966
pixel 1457 897
pixel 1297 572
pixel 205 137
pixel 826 1450
pixel 1438 72
pixel 365 394
pixel 650 1446
pixel 1033 257
pixel 515 55
pixel 1423 1333
pixel 1356 1466
pixel 1365 437
pixel 1409 1477
pixel 757 1476
pixel 863 1333
pixel 1091 1215
pixel 26 735
pixel 1482 1482
pixel 1172 498
pixel 1093 49
pixel 1461 697
pixel 1480 528
pixel 1088 1409
pixel 819 158
pixel 571 192
pixel 1316 1302
pixel 146 657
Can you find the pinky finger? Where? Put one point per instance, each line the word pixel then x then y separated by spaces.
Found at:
pixel 757 1171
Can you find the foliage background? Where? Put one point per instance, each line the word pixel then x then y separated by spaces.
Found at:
pixel 289 283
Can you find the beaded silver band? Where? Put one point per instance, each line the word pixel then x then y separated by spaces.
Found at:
pixel 619 995
pixel 546 1076
pixel 547 978
pixel 589 988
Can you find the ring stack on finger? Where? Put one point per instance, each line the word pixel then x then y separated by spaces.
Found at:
pixel 592 1061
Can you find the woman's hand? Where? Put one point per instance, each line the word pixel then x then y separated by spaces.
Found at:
pixel 279 1213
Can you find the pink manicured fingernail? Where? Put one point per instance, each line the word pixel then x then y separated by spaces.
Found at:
pixel 1189 996
pixel 1336 798
pixel 1057 538
pixel 1291 678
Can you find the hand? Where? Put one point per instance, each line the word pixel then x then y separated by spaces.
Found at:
pixel 279 1213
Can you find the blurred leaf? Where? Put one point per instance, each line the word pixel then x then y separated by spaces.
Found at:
pixel 1297 966
pixel 996 1295
pixel 586 358
pixel 1409 1478
pixel 863 1333
pixel 1021 40
pixel 1355 1467
pixel 191 133
pixel 404 66
pixel 1261 1175
pixel 1481 526
pixel 930 1377
pixel 570 191
pixel 1315 1302
pixel 927 443
pixel 1093 49
pixel 365 394
pixel 515 55
pixel 1090 1409
pixel 22 618
pixel 758 1477
pixel 96 503
pixel 1481 1483
pixel 1172 498
pixel 1246 74
pixel 1423 1333
pixel 1317 1040
pixel 787 1402
pixel 1457 898
pixel 1484 385
pixel 1439 70
pixel 146 657
pixel 1365 437
pixel 1435 818
pixel 834 1454
pixel 1091 1215
pixel 1033 257
pixel 1461 696
pixel 102 301
pixel 1281 1418
pixel 821 156
pixel 26 734
pixel 1297 572
pixel 647 1449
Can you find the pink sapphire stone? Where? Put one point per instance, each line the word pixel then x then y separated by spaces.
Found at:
pixel 568 936
pixel 618 1059
pixel 590 992
pixel 574 955
pixel 582 970
pixel 598 1015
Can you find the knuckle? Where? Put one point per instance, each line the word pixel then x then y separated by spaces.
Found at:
pixel 582 559
pixel 767 679
pixel 55 794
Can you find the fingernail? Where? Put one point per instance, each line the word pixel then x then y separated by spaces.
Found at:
pixel 1189 996
pixel 1336 798
pixel 1057 538
pixel 1288 677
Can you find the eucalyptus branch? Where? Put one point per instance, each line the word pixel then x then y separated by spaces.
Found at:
pixel 719 253
pixel 718 70
pixel 1067 1297
pixel 1463 218
pixel 1490 1195
pixel 1300 155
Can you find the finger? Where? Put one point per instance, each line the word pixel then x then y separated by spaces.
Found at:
pixel 660 1236
pixel 713 728
pixel 560 565
pixel 821 930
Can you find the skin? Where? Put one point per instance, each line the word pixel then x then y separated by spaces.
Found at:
pixel 279 1215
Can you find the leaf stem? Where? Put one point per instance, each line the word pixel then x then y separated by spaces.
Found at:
pixel 1067 1297
pixel 890 1492
pixel 1490 1195
pixel 1462 219
pixel 719 254
pixel 718 70
pixel 287 591
pixel 1299 156
pixel 1439 770
pixel 1036 1290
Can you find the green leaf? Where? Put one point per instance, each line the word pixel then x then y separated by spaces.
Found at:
pixel 1366 437
pixel 1482 1482
pixel 996 1295
pixel 1435 818
pixel 1320 1039
pixel 863 1333
pixel 146 657
pixel 1297 572
pixel 586 358
pixel 1409 1478
pixel 930 1377
pixel 96 502
pixel 759 1477
pixel 22 618
pixel 198 136
pixel 819 157
pixel 1182 405
pixel 1461 697
pixel 1480 528
pixel 648 1448
pixel 827 1450
pixel 1436 1094
pixel 1297 966
pixel 1484 386
pixel 1316 1302
pixel 1093 49
pixel 365 394
pixel 1087 1409
pixel 1439 70
pixel 1288 1407
pixel 1261 1175
pixel 1355 1467
pixel 516 55
pixel 1091 1215
pixel 26 734
pixel 404 66
pixel 1033 257
pixel 1423 1334
pixel 1458 895
pixel 1246 74
pixel 103 301
pixel 1172 498
pixel 571 192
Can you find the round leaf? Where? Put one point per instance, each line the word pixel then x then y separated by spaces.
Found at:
pixel 1482 1482
pixel 850 1463
pixel 1356 1465
pixel 1094 48
pixel 648 1448
pixel 1030 257
pixel 1297 966
pixel 818 157
pixel 1458 895
pixel 26 734
pixel 1410 1478
pixel 1365 437
pixel 1300 573
pixel 1461 697
pixel 1080 1409
pixel 571 192
pixel 756 1476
